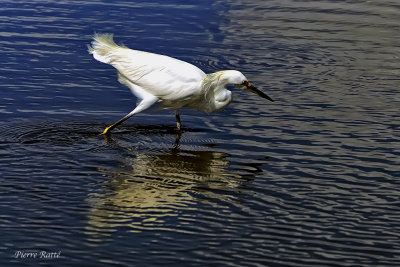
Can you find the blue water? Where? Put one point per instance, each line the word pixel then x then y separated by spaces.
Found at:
pixel 311 179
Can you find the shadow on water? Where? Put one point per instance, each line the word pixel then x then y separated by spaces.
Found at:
pixel 150 186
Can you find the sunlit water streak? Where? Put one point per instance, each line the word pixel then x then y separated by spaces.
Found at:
pixel 312 179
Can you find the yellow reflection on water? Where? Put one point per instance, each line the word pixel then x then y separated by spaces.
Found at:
pixel 148 187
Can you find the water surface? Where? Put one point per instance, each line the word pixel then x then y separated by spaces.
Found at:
pixel 311 179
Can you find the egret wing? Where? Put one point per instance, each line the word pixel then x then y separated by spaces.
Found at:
pixel 162 76
pixel 159 75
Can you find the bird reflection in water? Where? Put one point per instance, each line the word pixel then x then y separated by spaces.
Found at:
pixel 151 186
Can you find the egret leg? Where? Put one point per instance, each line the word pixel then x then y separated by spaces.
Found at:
pixel 144 104
pixel 178 136
pixel 115 124
pixel 178 120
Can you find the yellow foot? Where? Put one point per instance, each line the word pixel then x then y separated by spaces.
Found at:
pixel 106 131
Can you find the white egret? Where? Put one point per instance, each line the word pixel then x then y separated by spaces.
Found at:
pixel 173 83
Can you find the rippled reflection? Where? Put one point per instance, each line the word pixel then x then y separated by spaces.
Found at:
pixel 148 187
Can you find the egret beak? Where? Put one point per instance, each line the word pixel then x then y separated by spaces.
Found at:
pixel 254 90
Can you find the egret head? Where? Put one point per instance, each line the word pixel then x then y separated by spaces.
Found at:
pixel 237 79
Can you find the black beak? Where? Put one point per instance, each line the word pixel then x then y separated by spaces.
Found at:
pixel 254 90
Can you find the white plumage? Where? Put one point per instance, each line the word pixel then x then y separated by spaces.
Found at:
pixel 173 83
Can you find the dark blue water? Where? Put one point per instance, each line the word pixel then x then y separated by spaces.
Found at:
pixel 312 179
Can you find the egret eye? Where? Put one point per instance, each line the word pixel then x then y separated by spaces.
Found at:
pixel 246 83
